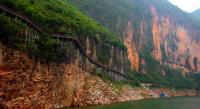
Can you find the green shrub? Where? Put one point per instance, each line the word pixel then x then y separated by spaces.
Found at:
pixel 62 17
pixel 173 79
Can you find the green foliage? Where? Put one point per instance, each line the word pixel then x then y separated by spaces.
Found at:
pixel 113 14
pixel 102 74
pixel 45 48
pixel 117 83
pixel 104 54
pixel 8 29
pixel 62 17
pixel 173 79
pixel 152 65
pixel 50 50
pixel 196 77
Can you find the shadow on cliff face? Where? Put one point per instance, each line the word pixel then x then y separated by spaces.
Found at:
pixel 26 83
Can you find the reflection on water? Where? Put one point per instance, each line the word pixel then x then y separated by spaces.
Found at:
pixel 163 103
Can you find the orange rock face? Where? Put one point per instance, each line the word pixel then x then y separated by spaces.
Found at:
pixel 24 82
pixel 176 40
pixel 157 54
pixel 132 53
pixel 182 36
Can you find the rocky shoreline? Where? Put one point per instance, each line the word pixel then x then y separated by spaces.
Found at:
pixel 99 92
pixel 26 84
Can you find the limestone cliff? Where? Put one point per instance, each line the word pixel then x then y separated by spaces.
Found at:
pixel 132 51
pixel 27 83
pixel 156 35
pixel 151 27
pixel 177 41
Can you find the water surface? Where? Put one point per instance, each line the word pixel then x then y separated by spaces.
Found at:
pixel 162 103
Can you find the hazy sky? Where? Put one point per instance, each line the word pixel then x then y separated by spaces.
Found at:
pixel 187 5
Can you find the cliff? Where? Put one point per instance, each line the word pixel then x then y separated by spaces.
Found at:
pixel 43 66
pixel 26 83
pixel 168 34
pixel 94 42
pixel 53 53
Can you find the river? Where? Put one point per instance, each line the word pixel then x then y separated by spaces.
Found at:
pixel 162 103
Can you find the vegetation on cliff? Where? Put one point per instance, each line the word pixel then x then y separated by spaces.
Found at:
pixel 141 14
pixel 62 17
pixel 44 48
pixel 57 17
pixel 173 79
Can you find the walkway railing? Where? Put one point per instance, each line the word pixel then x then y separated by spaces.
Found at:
pixel 22 17
pixel 61 37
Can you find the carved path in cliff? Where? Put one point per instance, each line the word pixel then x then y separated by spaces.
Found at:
pixel 38 28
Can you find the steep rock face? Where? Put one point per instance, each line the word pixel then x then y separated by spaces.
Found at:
pixel 26 83
pixel 30 83
pixel 172 43
pixel 108 56
pixel 132 51
pixel 153 28
pixel 176 39
pixel 99 45
pixel 157 54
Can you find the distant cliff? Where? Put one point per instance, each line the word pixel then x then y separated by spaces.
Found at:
pixel 150 27
pixel 52 51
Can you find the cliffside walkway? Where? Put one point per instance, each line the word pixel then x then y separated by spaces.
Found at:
pixel 22 17
pixel 36 27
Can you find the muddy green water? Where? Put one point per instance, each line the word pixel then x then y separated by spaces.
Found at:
pixel 162 103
